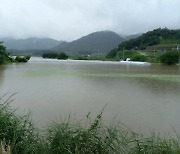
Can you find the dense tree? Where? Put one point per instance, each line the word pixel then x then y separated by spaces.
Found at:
pixel 55 55
pixel 28 57
pixel 62 56
pixel 112 54
pixel 170 57
pixel 4 58
pixel 140 58
pixel 126 54
pixel 21 59
pixel 50 55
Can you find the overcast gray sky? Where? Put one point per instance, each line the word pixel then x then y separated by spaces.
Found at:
pixel 71 19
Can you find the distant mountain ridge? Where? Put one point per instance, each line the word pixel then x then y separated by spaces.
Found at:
pixel 100 42
pixel 97 42
pixel 30 43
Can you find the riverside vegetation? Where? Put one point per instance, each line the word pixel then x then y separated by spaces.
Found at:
pixel 166 58
pixel 18 134
pixel 6 58
pixel 55 55
pixel 157 46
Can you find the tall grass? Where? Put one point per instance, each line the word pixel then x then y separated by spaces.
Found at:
pixel 89 136
pixel 155 144
pixel 18 131
pixel 96 138
pixel 4 149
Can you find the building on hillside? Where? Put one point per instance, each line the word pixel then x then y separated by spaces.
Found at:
pixel 178 47
pixel 161 48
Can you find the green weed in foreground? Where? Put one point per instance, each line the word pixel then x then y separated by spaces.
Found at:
pixel 17 131
pixel 68 138
pixel 4 149
pixel 89 136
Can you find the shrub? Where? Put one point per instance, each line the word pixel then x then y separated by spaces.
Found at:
pixel 170 57
pixel 112 54
pixel 27 57
pixel 50 55
pixel 21 59
pixel 140 58
pixel 62 56
pixel 127 54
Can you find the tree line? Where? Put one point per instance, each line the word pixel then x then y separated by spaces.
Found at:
pixel 62 55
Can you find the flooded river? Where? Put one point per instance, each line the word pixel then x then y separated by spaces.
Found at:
pixel 145 98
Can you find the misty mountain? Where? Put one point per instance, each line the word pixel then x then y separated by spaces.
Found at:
pixel 30 43
pixel 97 42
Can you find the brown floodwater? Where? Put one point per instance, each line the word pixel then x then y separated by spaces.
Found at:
pixel 144 98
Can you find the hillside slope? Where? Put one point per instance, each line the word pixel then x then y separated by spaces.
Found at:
pixel 158 37
pixel 98 42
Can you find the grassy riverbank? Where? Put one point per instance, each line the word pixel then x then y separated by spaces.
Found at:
pixel 77 137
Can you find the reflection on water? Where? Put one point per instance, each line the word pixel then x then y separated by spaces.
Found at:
pixel 160 86
pixel 2 68
pixel 143 98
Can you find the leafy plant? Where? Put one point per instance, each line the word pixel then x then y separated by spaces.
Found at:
pixel 170 57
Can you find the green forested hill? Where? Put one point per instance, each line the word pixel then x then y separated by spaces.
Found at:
pixel 162 37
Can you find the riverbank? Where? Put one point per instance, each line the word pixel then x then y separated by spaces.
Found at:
pixel 78 137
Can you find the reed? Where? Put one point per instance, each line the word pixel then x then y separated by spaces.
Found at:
pixel 89 136
pixel 17 131
pixel 4 149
